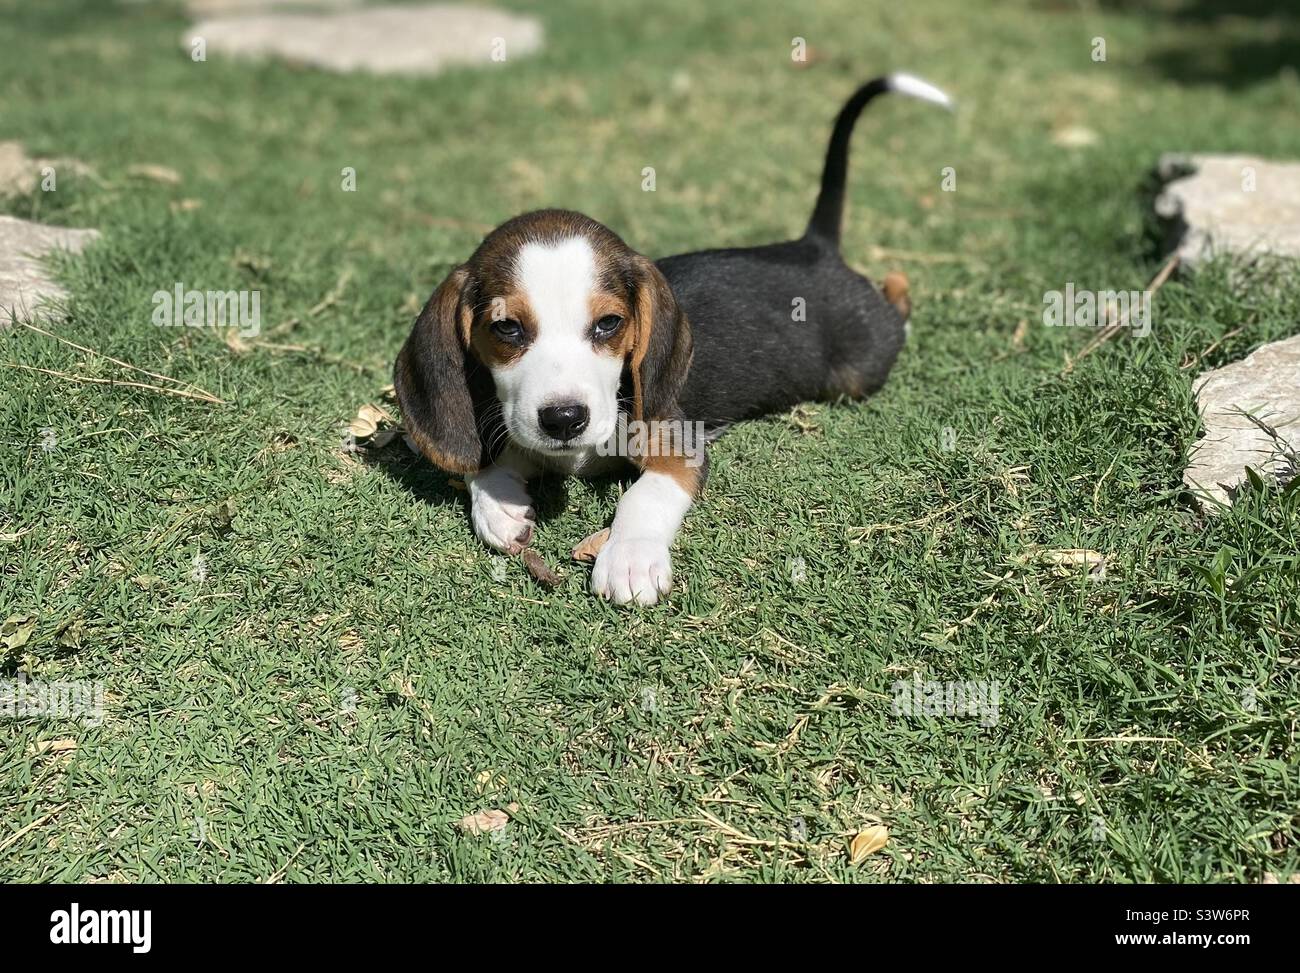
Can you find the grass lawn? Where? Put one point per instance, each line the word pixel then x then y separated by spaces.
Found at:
pixel 312 668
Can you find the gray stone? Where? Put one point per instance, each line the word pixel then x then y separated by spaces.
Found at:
pixel 1230 204
pixel 1266 383
pixel 382 40
pixel 208 8
pixel 20 173
pixel 27 292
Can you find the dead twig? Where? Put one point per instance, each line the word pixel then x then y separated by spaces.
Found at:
pixel 335 293
pixel 1109 331
pixel 1231 334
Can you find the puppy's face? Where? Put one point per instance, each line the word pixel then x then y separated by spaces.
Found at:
pixel 555 311
pixel 555 335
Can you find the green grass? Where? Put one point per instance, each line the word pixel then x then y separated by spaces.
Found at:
pixel 681 742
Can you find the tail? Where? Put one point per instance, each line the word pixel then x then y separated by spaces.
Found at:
pixel 825 222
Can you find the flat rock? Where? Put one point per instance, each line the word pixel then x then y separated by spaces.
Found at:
pixel 207 8
pixel 1266 383
pixel 1232 204
pixel 20 173
pixel 27 290
pixel 413 40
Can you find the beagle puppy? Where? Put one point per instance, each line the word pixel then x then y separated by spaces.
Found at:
pixel 543 349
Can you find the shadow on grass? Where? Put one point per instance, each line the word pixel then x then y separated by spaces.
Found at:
pixel 426 482
pixel 1232 43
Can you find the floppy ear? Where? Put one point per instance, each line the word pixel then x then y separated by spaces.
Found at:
pixel 661 344
pixel 433 382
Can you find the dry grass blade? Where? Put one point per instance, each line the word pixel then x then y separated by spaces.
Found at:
pixel 4 845
pixel 116 361
pixel 179 393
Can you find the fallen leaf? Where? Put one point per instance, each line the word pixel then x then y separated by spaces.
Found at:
pixel 868 841
pixel 484 821
pixel 488 780
pixel 539 569
pixel 71 633
pixel 368 420
pixel 1074 137
pixel 811 56
pixel 53 746
pixel 255 263
pixel 17 631
pixel 590 545
pixel 384 437
pixel 801 417
pixel 223 517
pixel 235 342
pixel 1093 562
pixel 155 173
pixel 403 686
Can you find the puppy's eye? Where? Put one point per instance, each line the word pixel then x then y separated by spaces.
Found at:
pixel 509 330
pixel 607 325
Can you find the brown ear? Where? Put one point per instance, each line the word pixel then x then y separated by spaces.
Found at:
pixel 432 380
pixel 661 348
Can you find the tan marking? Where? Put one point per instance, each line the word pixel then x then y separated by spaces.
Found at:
pixel 642 323
pixel 599 305
pixel 683 474
pixel 896 290
pixel 845 380
pixel 486 346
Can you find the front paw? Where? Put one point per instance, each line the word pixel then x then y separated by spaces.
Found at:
pixel 633 570
pixel 503 525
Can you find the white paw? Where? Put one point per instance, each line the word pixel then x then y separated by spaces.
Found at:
pixel 503 515
pixel 633 570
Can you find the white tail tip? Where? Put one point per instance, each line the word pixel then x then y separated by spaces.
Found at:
pixel 910 84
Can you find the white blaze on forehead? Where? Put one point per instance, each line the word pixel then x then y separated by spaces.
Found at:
pixel 558 280
pixel 561 364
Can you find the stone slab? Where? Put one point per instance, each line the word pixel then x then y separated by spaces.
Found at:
pixel 27 290
pixel 410 40
pixel 1231 204
pixel 1266 383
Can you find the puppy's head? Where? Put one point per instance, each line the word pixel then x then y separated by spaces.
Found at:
pixel 550 328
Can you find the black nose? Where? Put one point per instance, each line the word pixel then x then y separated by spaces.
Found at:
pixel 563 422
